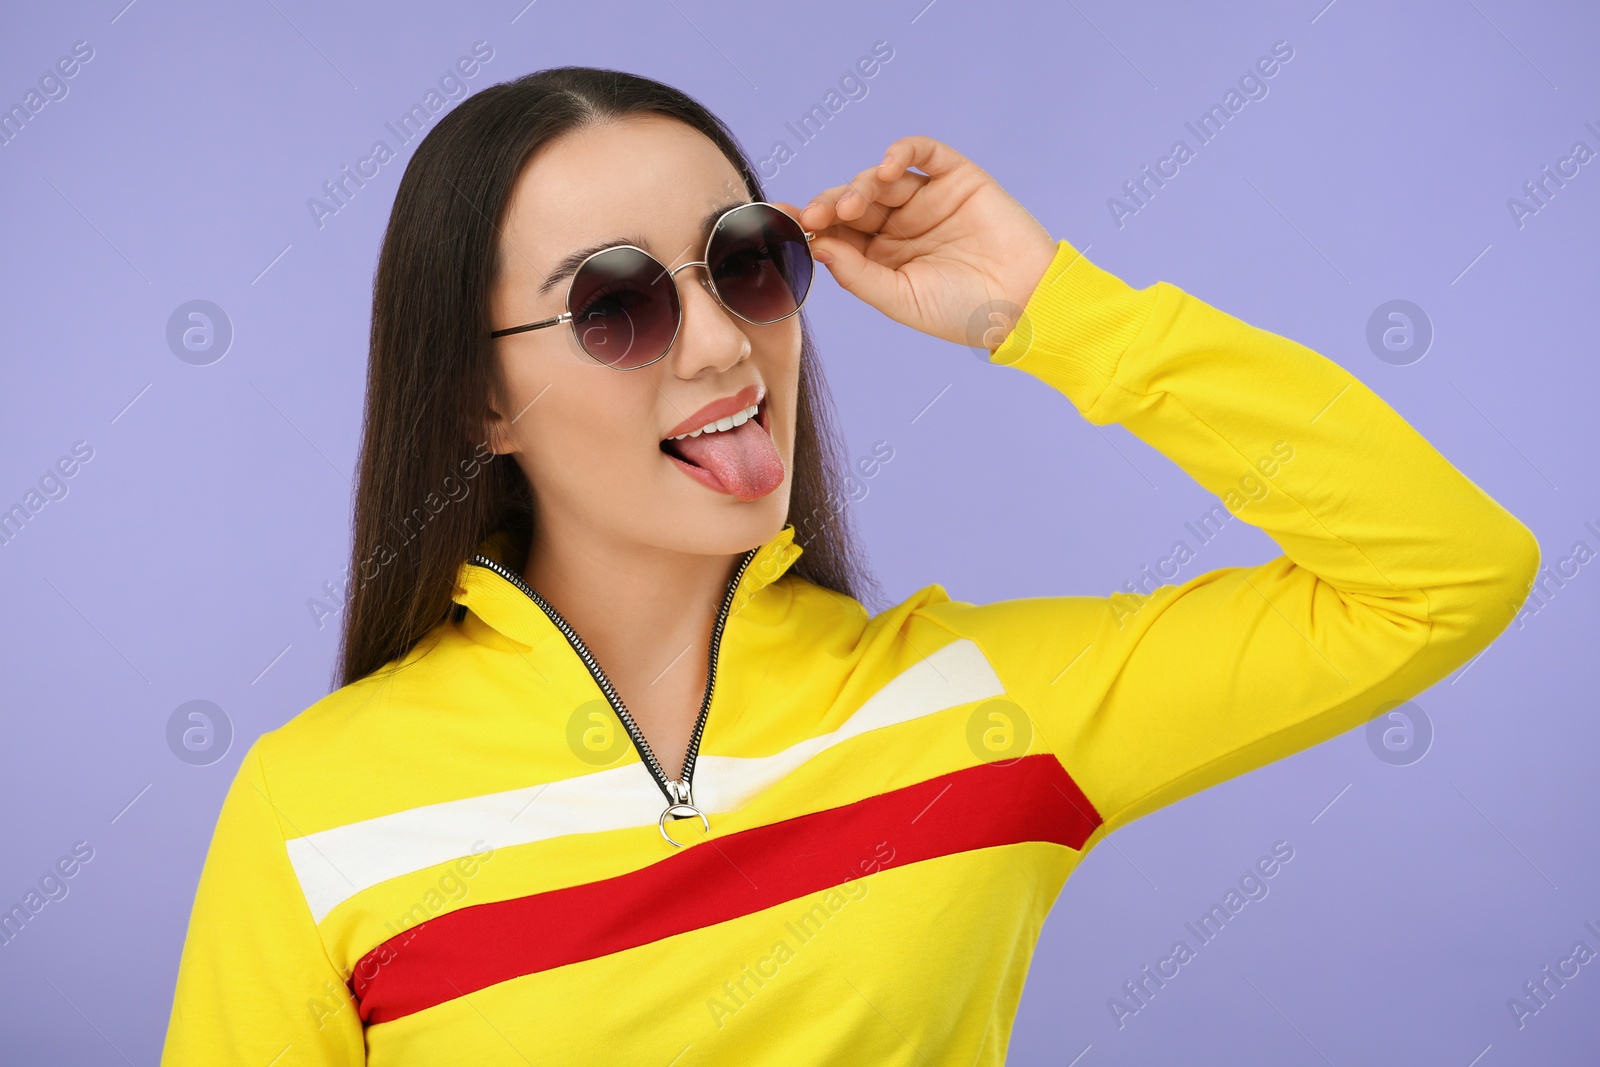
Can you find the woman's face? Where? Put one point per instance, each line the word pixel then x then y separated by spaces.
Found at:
pixel 588 437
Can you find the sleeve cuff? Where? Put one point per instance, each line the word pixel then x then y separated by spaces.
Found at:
pixel 1078 321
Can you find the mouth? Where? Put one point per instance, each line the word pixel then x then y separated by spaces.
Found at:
pixel 740 460
pixel 672 445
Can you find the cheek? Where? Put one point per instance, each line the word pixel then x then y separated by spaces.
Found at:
pixel 582 439
pixel 781 369
pixel 791 416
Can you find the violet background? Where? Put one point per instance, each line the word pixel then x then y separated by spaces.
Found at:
pixel 1378 167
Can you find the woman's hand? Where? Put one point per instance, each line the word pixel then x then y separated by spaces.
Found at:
pixel 948 251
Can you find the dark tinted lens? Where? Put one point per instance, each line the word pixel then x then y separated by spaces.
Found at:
pixel 760 263
pixel 624 308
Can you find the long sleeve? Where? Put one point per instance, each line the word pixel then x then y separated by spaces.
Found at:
pixel 1395 570
pixel 255 985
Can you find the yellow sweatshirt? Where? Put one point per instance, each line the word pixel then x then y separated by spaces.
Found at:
pixel 462 858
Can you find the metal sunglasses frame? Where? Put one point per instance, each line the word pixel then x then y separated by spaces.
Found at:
pixel 711 286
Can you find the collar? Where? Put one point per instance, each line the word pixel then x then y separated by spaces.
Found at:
pixel 499 612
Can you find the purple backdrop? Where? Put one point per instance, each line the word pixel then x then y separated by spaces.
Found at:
pixel 208 496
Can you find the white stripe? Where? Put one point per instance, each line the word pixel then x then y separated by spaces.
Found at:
pixel 334 865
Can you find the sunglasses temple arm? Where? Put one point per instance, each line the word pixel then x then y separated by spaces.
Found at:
pixel 563 317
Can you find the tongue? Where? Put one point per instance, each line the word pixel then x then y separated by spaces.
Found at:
pixel 743 459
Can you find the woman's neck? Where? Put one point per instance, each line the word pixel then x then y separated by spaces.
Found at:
pixel 647 614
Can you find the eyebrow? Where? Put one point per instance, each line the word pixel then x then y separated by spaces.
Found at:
pixel 570 264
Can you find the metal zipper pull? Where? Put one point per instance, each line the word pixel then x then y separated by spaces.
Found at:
pixel 681 807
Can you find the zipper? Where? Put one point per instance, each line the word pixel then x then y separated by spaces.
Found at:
pixel 678 792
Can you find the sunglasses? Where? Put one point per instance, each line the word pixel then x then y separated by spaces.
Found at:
pixel 623 303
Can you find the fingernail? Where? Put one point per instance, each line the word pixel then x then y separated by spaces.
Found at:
pixel 848 195
pixel 822 255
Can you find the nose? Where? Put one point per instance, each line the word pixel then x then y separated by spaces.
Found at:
pixel 710 335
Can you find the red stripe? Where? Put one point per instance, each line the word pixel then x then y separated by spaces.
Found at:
pixel 1028 799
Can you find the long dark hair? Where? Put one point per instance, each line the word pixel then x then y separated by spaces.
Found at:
pixel 428 492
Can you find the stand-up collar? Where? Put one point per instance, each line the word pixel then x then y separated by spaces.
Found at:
pixel 499 603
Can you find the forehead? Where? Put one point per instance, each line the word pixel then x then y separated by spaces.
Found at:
pixel 646 176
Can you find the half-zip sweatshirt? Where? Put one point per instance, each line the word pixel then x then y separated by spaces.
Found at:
pixel 460 858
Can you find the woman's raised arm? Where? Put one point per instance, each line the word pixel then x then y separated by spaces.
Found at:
pixel 1395 570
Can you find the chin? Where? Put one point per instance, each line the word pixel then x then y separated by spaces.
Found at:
pixel 696 520
pixel 734 526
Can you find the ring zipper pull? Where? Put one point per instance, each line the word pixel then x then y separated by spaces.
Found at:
pixel 682 807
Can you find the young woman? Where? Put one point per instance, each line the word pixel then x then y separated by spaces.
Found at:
pixel 621 770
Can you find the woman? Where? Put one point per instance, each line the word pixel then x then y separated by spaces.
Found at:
pixel 621 769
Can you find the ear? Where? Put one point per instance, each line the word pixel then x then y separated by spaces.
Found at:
pixel 497 432
pixel 497 428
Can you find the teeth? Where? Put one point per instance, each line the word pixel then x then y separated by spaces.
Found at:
pixel 727 422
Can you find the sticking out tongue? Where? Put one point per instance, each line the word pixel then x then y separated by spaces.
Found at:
pixel 743 459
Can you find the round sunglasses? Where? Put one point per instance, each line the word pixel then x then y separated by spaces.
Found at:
pixel 623 303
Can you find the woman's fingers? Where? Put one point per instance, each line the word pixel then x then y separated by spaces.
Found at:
pixel 860 212
pixel 933 158
pixel 927 235
pixel 863 203
pixel 823 211
pixel 870 187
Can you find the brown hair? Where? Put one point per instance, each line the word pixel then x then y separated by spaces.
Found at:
pixel 428 491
